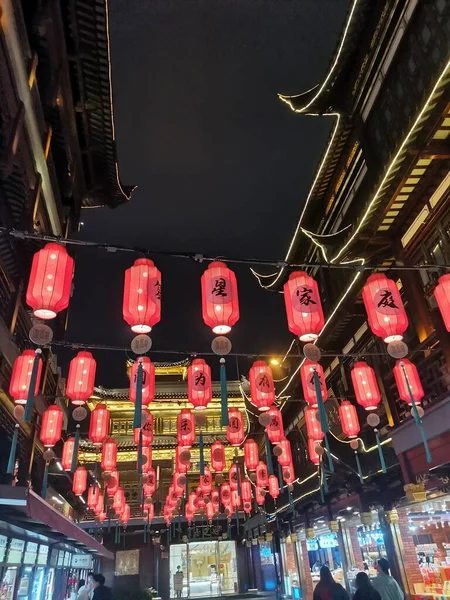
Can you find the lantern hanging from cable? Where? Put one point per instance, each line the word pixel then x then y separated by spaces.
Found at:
pixel 209 511
pixel 206 482
pixel 147 455
pixel 261 475
pixel 109 455
pixel 235 500
pixel 200 498
pixel 21 376
pixel 262 389
pixel 275 429
pixel 151 481
pixel 50 283
pixel 148 380
pixel 218 462
pixel 442 295
pixel 81 378
pixel 408 381
pixel 385 311
pixel 235 428
pixel 185 428
pixel 142 296
pixel 260 496
pixel 220 304
pixel 199 384
pixel 93 496
pixel 251 458
pixel 349 419
pixel 100 504
pixel 189 514
pixel 313 424
pixel 149 512
pixel 288 474
pixel 274 486
pixel 102 517
pixel 312 452
pixel 125 516
pixel 234 476
pixel 182 462
pixel 215 500
pixel 179 483
pixel 308 385
pixel 51 426
pixel 285 456
pixel 225 494
pixel 172 497
pixel 99 424
pixel 246 491
pixel 365 385
pixel 147 429
pixel 79 481
pixel 67 453
pixel 303 306
pixel 119 501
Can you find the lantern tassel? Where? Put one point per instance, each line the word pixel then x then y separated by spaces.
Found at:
pixel 138 404
pixel 417 418
pixel 30 396
pixel 380 452
pixel 269 454
pixel 139 458
pixel 202 453
pixel 323 419
pixel 358 466
pixel 223 394
pixel 12 451
pixel 76 445
pixel 45 482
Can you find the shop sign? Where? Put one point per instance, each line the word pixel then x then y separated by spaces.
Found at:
pixel 328 541
pixel 312 545
pixel 81 561
pixel 206 532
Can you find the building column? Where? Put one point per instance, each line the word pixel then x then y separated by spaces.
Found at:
pixel 352 547
pixel 307 583
pixel 251 568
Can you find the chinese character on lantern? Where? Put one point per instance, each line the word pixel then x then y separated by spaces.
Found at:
pixel 199 384
pixel 146 429
pixel 148 380
pixel 234 476
pixel 142 296
pixel 308 384
pixel 385 311
pixel 261 475
pixel 220 304
pixel 262 390
pixel 303 306
pixel 185 428
pixel 275 429
pixel 235 428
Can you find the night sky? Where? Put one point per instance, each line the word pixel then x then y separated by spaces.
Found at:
pixel 222 165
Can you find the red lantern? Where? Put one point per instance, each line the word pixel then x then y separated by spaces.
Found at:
pixel 148 380
pixel 119 501
pixel 147 455
pixel 220 304
pixel 21 376
pixel 215 500
pixel 235 428
pixel 149 512
pixel 79 481
pixel 260 496
pixel 185 428
pixel 365 385
pixel 313 456
pixel 150 486
pixel 225 494
pixel 99 425
pixel 67 453
pixel 181 465
pixel 303 306
pixel 100 505
pixel 179 483
pixel 199 383
pixel 307 376
pixel 51 426
pixel 233 475
pixel 275 429
pixel 81 379
pixel 405 372
pixel 235 500
pixel 218 462
pixel 251 457
pixel 385 311
pixel 209 511
pixel 109 455
pixel 206 482
pixel 50 281
pixel 200 498
pixel 93 496
pixel 142 296
pixel 147 429
pixel 262 390
pixel 285 458
pixel 442 295
pixel 172 497
pixel 349 419
pixel 125 517
pixel 288 474
pixel 246 491
pixel 102 517
pixel 274 486
pixel 192 502
pixel 112 485
pixel 261 475
pixel 189 514
pixel 313 424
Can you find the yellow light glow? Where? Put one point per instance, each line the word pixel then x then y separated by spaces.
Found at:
pixel 275 362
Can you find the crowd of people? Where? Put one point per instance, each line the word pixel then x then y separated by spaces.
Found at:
pixel 94 588
pixel 382 587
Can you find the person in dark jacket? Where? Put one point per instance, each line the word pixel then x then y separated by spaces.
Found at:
pixel 328 588
pixel 364 589
pixel 101 592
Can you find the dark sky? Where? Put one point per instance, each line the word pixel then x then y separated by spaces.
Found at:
pixel 222 165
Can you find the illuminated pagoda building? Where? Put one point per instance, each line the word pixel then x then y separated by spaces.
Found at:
pixel 380 196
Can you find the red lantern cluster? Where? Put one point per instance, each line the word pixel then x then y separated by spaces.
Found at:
pixel 142 296
pixel 308 384
pixel 79 481
pixel 148 380
pixel 313 428
pixel 51 426
pixel 303 306
pixel 349 419
pixel 185 428
pixel 385 311
pixel 251 458
pixel 262 389
pixel 218 461
pixel 235 428
pixel 275 429
pixel 365 385
pixel 21 376
pixel 99 424
pixel 67 453
pixel 109 455
pixel 442 295
pixel 199 384
pixel 408 381
pixel 81 378
pixel 50 281
pixel 220 304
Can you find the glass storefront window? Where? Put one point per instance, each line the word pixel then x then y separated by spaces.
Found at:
pixel 291 575
pixel 7 584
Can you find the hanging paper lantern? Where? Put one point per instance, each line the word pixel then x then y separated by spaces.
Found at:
pixel 365 385
pixel 235 428
pixel 179 483
pixel 189 514
pixel 274 486
pixel 147 429
pixel 148 380
pixel 100 505
pixel 185 428
pixel 150 486
pixel 50 282
pixel 405 372
pixel 93 496
pixel 261 475
pixel 303 306
pixel 251 457
pixel 209 511
pixel 147 455
pixel 385 311
pixel 125 517
pixel 233 475
pixel 51 426
pixel 288 474
pixel 442 295
pixel 81 378
pixel 142 296
pixel 313 424
pixel 172 497
pixel 275 429
pixel 119 501
pixel 308 385
pixel 225 494
pixel 206 482
pixel 285 458
pixel 199 384
pixel 235 500
pixel 79 481
pixel 220 304
pixel 181 465
pixel 109 455
pixel 200 498
pixel 218 462
pixel 262 389
pixel 349 419
pixel 193 502
pixel 112 485
pixel 67 453
pixel 312 453
pixel 102 517
pixel 99 424
pixel 215 501
pixel 260 496
pixel 149 512
pixel 21 376
pixel 246 491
